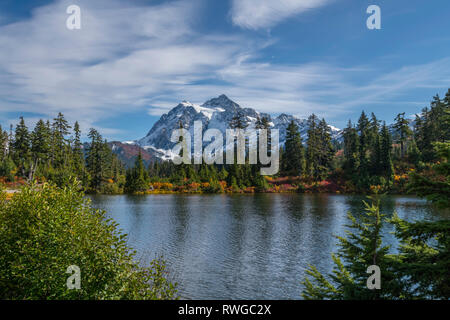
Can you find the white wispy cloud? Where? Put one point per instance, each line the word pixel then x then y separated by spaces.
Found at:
pixel 129 58
pixel 123 55
pixel 323 89
pixel 256 14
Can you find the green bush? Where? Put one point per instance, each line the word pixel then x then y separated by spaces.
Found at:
pixel 44 230
pixel 7 167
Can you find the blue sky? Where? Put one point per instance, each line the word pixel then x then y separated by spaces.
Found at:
pixel 134 60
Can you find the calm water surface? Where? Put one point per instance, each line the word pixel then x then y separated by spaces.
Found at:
pixel 245 246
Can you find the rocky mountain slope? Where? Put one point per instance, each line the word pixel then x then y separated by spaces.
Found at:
pixel 215 113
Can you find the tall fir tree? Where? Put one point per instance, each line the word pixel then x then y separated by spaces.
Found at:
pixel 351 150
pixel 40 144
pixel 361 248
pixel 364 146
pixel 293 157
pixel 386 166
pixel 94 159
pixel 137 177
pixel 326 151
pixel 401 126
pixel 312 145
pixel 22 147
pixel 78 156
pixel 60 129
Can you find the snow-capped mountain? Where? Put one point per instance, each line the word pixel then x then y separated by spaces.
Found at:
pixel 214 114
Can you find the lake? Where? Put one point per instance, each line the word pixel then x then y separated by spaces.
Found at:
pixel 245 246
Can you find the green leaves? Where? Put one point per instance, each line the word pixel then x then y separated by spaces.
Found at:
pixel 45 229
pixel 435 184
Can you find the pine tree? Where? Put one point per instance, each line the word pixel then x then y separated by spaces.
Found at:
pixel 264 124
pixel 22 148
pixel 413 153
pixel 435 186
pixel 423 261
pixel 386 166
pixel 3 144
pixel 374 128
pixel 402 127
pixel 351 150
pixel 238 121
pixel 293 158
pixel 364 146
pixel 78 156
pixel 60 129
pixel 312 145
pixel 376 156
pixel 40 144
pixel 360 249
pixel 7 165
pixel 326 151
pixel 94 159
pixel 137 177
pixel 236 176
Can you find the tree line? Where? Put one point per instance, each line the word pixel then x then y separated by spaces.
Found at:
pixel 417 269
pixel 369 154
pixel 51 151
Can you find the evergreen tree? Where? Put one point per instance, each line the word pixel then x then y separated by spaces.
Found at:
pixel 236 176
pixel 386 166
pixel 374 128
pixel 238 121
pixel 413 153
pixel 3 144
pixel 78 156
pixel 364 146
pixel 435 185
pixel 22 148
pixel 137 178
pixel 60 129
pixel 423 261
pixel 351 149
pixel 40 144
pixel 312 146
pixel 94 159
pixel 402 127
pixel 360 249
pixel 376 156
pixel 263 123
pixel 293 160
pixel 326 151
pixel 7 165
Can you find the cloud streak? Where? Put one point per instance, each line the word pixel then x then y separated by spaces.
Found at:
pixel 131 59
pixel 123 55
pixel 257 14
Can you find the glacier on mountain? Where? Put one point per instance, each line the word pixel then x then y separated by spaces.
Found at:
pixel 215 113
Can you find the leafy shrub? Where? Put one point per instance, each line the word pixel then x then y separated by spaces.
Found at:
pixel 44 230
pixel 7 169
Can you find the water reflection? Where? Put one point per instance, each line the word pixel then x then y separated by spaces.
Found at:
pixel 244 246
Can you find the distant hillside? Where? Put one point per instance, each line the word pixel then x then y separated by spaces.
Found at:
pixel 127 153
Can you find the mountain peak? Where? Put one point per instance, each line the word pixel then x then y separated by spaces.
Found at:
pixel 222 101
pixel 223 97
pixel 216 113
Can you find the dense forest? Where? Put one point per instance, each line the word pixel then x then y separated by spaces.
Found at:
pixel 371 155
